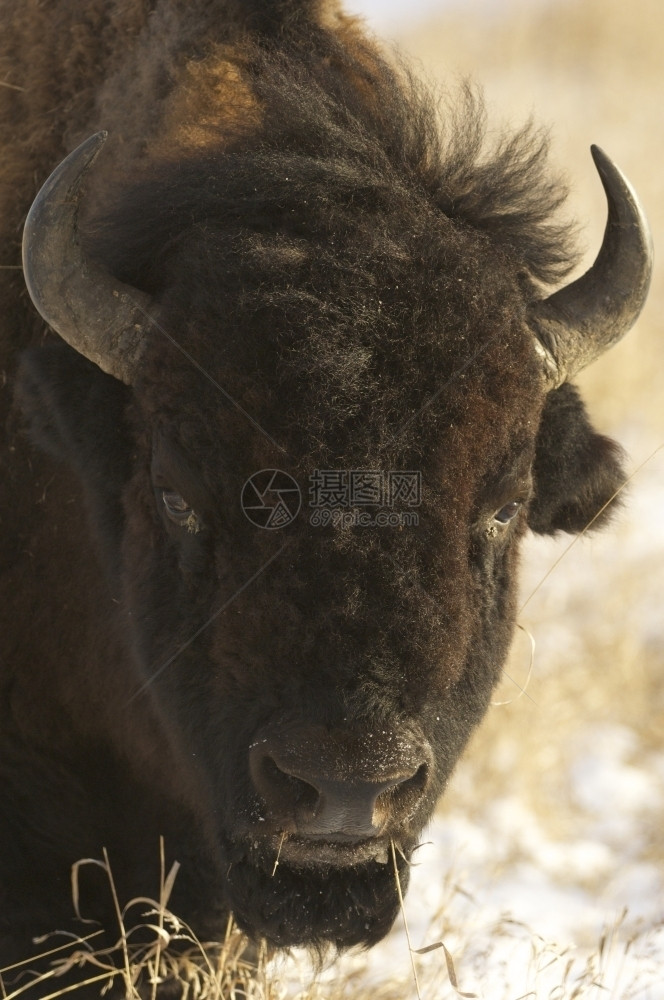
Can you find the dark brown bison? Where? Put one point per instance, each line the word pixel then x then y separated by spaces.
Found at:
pixel 279 260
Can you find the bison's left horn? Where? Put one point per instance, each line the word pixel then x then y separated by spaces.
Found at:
pixel 98 316
pixel 579 322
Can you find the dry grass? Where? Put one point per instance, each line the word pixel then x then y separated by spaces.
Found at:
pixel 168 953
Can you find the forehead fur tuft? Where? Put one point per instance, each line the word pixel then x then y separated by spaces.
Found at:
pixel 337 263
pixel 343 132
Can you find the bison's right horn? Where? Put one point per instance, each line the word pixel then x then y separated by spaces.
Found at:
pixel 101 318
pixel 579 322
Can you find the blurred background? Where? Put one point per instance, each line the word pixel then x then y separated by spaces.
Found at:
pixel 545 872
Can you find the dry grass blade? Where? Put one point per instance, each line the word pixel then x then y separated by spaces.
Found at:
pixel 451 972
pixel 429 947
pixel 403 915
pixel 119 915
pixel 67 990
pixel 51 951
pixel 522 690
pixel 276 860
pixel 75 890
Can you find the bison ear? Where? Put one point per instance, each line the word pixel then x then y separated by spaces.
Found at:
pixel 576 471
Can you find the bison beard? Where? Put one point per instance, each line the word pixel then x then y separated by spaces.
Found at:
pixel 313 908
pixel 280 259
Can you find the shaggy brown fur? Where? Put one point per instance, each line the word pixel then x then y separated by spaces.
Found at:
pixel 355 279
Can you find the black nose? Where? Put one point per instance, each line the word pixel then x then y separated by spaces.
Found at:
pixel 331 785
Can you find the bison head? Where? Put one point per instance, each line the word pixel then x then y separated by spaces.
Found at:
pixel 335 294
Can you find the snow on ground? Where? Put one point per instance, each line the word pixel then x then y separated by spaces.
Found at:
pixel 528 905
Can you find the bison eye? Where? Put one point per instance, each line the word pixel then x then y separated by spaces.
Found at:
pixel 506 513
pixel 179 511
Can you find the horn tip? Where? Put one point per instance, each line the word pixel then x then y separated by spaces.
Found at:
pixel 606 168
pixel 92 145
pixel 618 188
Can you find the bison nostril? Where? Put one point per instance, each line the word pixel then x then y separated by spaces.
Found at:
pixel 416 784
pixel 284 793
pixel 402 798
pixel 332 794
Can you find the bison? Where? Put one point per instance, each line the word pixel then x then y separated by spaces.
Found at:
pixel 280 270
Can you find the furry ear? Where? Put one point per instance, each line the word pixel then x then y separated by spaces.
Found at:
pixel 576 470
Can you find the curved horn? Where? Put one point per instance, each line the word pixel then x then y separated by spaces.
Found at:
pixel 98 316
pixel 579 322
